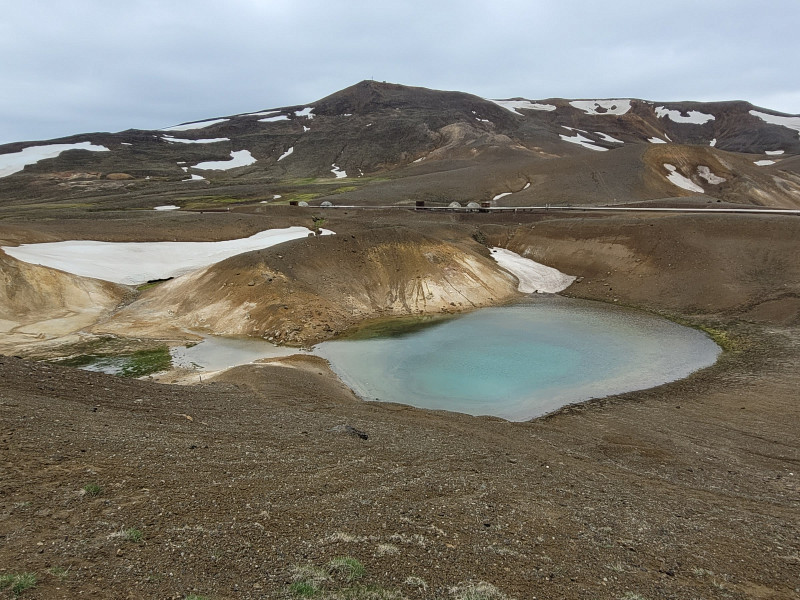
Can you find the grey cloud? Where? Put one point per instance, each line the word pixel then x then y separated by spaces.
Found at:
pixel 86 65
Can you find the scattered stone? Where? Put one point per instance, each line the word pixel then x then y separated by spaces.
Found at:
pixel 348 430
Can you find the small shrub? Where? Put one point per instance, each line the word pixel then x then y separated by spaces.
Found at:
pixel 92 490
pixel 133 535
pixel 17 582
pixel 196 597
pixel 349 568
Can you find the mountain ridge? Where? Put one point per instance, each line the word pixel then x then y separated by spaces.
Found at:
pixel 390 131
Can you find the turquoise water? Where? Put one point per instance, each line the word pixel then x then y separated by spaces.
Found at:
pixel 520 362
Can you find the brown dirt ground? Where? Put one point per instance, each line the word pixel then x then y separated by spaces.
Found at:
pixel 689 490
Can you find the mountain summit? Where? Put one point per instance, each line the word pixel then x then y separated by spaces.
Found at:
pixel 383 143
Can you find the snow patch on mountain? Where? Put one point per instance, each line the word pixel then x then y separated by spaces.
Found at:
pixel 14 162
pixel 306 112
pixel 133 263
pixel 274 118
pixel 607 138
pixel 169 138
pixel 774 152
pixel 241 158
pixel 533 277
pixel 790 122
pixel 287 153
pixel 582 141
pixel 681 181
pixel 340 174
pixel 656 140
pixel 764 163
pixel 196 125
pixel 602 107
pixel 705 173
pixel 693 116
pixel 513 105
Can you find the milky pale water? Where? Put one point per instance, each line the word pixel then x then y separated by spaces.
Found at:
pixel 519 362
pixel 515 362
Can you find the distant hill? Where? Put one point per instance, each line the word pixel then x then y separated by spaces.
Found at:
pixel 381 143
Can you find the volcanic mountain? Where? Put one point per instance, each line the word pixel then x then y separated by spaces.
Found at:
pixel 385 144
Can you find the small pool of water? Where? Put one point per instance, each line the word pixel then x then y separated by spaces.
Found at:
pixel 519 362
pixel 215 353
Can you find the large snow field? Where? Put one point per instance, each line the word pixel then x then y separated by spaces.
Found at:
pixel 133 263
pixel 682 181
pixel 16 161
pixel 513 105
pixel 693 116
pixel 790 122
pixel 241 158
pixel 198 125
pixel 533 276
pixel 609 107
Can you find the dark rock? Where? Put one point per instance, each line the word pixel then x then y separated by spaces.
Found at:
pixel 348 430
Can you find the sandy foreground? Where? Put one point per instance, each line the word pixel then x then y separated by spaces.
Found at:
pixel 241 485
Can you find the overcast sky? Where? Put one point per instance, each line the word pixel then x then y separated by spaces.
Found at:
pixel 73 66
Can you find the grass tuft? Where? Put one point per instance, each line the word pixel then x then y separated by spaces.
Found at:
pixel 347 567
pixel 477 591
pixel 17 582
pixel 304 589
pixel 133 535
pixel 92 490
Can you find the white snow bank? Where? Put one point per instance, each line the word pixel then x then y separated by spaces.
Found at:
pixel 133 263
pixel 764 163
pixel 16 161
pixel 195 177
pixel 197 125
pixel 681 181
pixel 242 158
pixel 607 138
pixel 287 153
pixel 306 112
pixel 790 122
pixel 338 172
pixel 169 138
pixel 167 207
pixel 582 141
pixel 655 140
pixel 503 195
pixel 713 142
pixel 275 118
pixel 705 173
pixel 533 277
pixel 602 107
pixel 513 105
pixel 774 152
pixel 693 116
